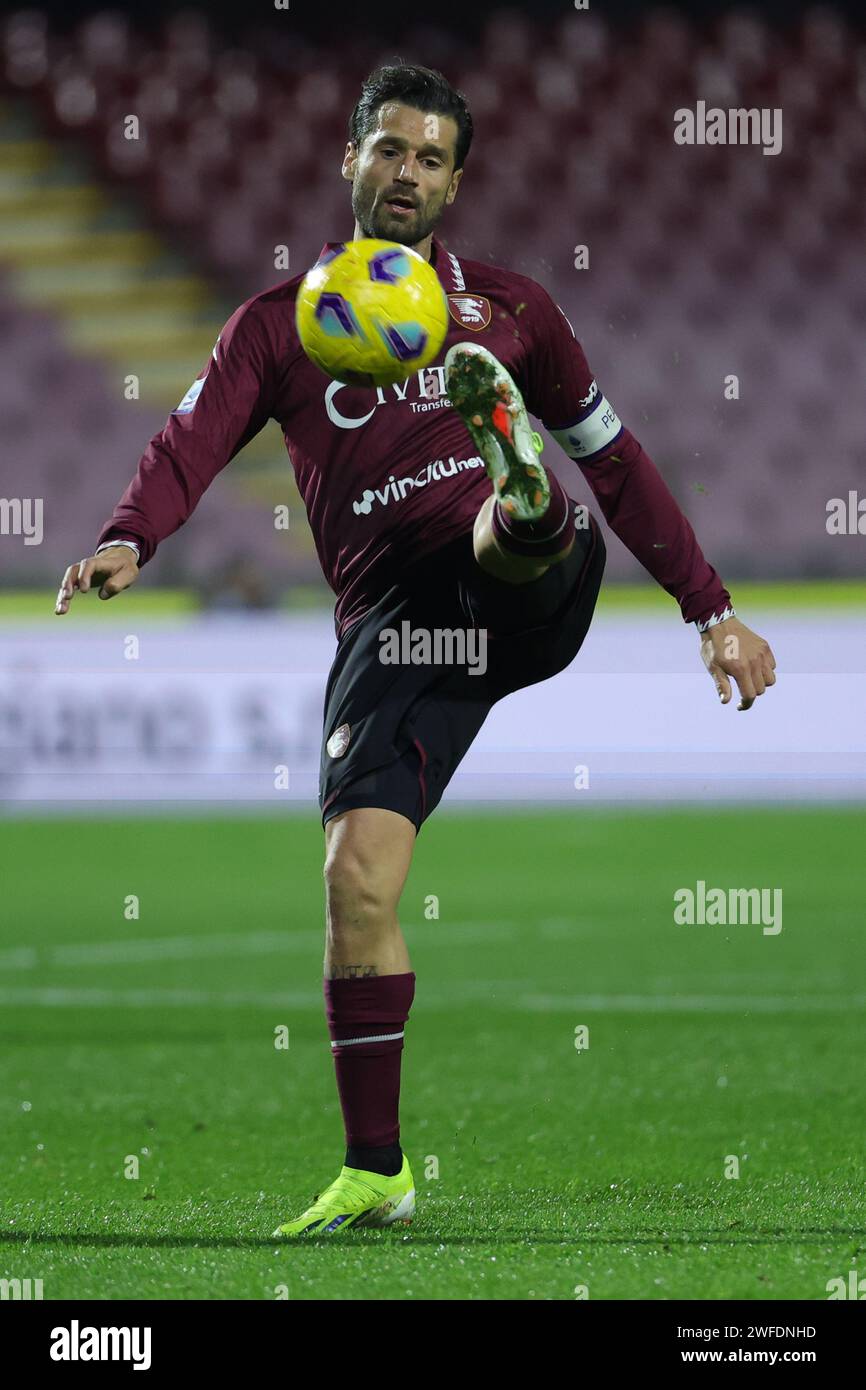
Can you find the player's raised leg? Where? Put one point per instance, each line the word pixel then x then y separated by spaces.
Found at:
pixel 524 526
pixel 369 988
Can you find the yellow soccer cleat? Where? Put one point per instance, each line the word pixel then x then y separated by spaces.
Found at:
pixel 357 1198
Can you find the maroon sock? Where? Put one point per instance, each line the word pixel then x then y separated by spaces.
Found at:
pixel 547 536
pixel 365 1020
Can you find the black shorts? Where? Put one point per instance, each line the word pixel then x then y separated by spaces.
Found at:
pixel 394 734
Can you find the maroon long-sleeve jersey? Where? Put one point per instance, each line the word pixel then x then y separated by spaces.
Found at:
pixel 389 474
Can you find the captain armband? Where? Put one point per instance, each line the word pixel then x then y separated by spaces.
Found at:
pixel 594 430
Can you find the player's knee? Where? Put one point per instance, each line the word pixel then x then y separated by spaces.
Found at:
pixel 357 895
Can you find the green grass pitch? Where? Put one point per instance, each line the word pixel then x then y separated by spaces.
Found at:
pixel 541 1169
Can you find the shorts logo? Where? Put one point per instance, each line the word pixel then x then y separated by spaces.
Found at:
pixel 471 311
pixel 339 741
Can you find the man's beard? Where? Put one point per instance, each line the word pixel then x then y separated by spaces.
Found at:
pixel 375 221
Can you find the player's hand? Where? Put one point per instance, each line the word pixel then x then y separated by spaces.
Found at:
pixel 730 649
pixel 113 569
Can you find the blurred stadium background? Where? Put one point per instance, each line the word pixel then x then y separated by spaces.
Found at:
pixel 121 258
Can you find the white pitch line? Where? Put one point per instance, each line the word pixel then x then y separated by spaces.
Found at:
pixel 50 998
pixel 499 994
pixel 692 1003
pixel 55 997
pixel 207 946
pixel 204 947
pixel 19 958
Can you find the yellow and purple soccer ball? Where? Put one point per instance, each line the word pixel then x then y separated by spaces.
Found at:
pixel 371 313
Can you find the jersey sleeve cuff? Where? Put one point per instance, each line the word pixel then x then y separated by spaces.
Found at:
pixel 721 615
pixel 117 540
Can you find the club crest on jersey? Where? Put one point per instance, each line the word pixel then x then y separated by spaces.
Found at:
pixel 470 310
pixel 339 741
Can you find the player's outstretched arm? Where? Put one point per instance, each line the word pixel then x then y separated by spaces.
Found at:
pixel 731 651
pixel 113 569
pixel 228 403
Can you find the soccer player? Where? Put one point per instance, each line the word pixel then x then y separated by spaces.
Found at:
pixel 430 506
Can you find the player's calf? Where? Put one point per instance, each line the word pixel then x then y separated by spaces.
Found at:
pixel 368 986
pixel 495 556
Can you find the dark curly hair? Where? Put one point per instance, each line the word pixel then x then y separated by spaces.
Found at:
pixel 413 85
